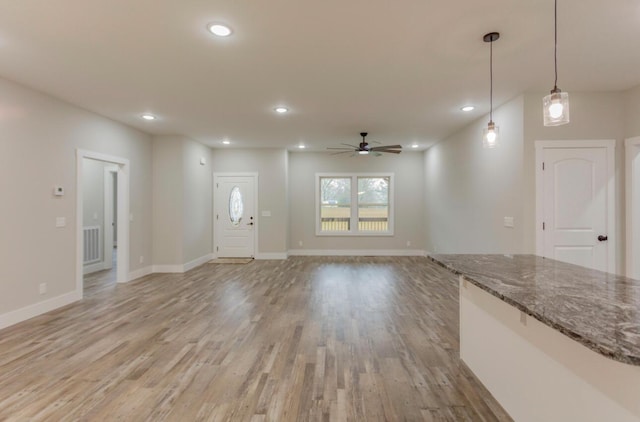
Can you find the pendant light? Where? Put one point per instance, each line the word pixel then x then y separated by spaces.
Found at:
pixel 556 104
pixel 490 133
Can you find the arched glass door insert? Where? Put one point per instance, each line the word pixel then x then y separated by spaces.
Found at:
pixel 236 206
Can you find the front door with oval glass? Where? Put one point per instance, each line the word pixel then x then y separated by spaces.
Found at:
pixel 234 219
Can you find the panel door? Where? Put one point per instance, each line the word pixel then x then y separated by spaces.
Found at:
pixel 235 222
pixel 575 206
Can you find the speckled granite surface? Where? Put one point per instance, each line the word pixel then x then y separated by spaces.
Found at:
pixel 597 309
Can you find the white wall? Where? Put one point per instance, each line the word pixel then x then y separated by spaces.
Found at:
pixel 40 135
pixel 469 189
pixel 271 165
pixel 168 204
pixel 632 116
pixel 182 200
pixel 198 200
pixel 408 168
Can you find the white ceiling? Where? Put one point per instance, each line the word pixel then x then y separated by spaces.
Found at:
pixel 400 70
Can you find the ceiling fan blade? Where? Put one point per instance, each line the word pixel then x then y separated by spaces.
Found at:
pixel 385 147
pixel 343 149
pixel 349 145
pixel 393 151
pixel 341 152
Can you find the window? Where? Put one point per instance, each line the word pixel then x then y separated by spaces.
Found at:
pixel 354 204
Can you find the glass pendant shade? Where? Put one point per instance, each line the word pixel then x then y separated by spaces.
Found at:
pixel 556 108
pixel 490 136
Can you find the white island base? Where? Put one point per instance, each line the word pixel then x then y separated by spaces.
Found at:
pixel 537 373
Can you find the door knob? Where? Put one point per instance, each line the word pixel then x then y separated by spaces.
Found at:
pixel 602 238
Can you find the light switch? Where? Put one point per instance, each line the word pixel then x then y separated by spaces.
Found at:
pixel 266 213
pixel 61 221
pixel 508 222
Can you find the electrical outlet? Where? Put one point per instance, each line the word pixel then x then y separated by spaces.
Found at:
pixel 141 259
pixel 43 288
pixel 299 242
pixel 509 222
pixel 408 243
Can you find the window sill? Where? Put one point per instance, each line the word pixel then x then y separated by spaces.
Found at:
pixel 359 234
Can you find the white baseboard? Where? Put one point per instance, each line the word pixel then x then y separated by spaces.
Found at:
pixel 184 267
pixel 168 268
pixel 197 262
pixel 272 255
pixel 141 272
pixel 356 252
pixel 28 312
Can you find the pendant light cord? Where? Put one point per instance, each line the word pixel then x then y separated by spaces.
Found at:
pixel 555 45
pixel 491 81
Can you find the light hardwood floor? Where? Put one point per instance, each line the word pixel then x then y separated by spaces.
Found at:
pixel 306 339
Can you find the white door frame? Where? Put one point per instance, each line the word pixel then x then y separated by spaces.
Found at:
pixel 632 165
pixel 123 214
pixel 107 239
pixel 610 145
pixel 256 226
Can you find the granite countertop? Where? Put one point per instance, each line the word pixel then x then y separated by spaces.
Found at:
pixel 597 309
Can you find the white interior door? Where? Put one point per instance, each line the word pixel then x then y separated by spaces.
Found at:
pixel 235 216
pixel 576 208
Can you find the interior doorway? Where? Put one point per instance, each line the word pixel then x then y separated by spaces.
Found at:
pixel 98 221
pixel 99 186
pixel 575 202
pixel 632 183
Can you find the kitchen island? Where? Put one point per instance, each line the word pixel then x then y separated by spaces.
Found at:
pixel 551 341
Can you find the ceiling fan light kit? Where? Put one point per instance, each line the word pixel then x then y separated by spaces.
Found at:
pixel 364 148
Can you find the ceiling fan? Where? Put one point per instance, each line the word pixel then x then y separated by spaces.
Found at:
pixel 364 148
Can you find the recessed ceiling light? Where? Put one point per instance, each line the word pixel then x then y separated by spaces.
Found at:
pixel 148 116
pixel 219 29
pixel 301 146
pixel 226 142
pixel 281 110
pixel 468 108
pixel 414 146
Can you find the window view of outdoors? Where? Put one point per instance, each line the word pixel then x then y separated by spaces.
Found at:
pixel 335 204
pixel 373 204
pixel 371 209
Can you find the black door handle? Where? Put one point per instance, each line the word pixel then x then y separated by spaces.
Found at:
pixel 602 238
